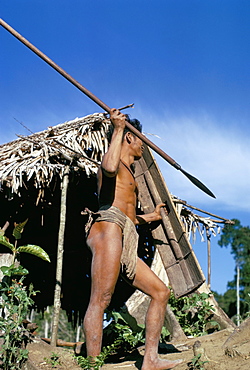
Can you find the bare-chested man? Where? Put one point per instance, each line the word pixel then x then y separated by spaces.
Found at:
pixel 118 193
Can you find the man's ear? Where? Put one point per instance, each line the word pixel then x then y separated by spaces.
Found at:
pixel 128 137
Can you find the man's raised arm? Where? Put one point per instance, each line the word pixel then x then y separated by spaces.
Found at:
pixel 111 160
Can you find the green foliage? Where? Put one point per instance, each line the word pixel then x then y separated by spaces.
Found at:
pixel 30 248
pixel 4 241
pixel 196 363
pixel 15 302
pixel 124 317
pixel 35 250
pixel 194 313
pixel 238 237
pixel 54 360
pixel 227 301
pixel 164 334
pixel 12 270
pixel 14 305
pixel 97 362
pixel 18 229
pixel 248 306
pixel 123 332
pixel 93 364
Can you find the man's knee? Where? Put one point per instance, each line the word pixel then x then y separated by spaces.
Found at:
pixel 105 299
pixel 163 294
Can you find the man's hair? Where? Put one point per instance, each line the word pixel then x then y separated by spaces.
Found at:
pixel 134 122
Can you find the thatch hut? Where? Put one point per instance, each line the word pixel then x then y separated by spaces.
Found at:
pixel 31 173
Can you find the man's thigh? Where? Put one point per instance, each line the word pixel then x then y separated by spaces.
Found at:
pixel 105 242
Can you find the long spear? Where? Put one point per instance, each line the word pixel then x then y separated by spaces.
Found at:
pixel 159 151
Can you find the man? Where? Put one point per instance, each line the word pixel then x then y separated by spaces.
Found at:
pixel 110 239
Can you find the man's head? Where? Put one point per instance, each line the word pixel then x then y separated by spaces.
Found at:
pixel 134 122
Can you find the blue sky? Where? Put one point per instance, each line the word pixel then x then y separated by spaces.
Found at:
pixel 185 66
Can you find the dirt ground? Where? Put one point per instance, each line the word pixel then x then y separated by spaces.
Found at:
pixel 210 346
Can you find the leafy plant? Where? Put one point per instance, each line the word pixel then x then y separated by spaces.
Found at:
pixel 15 302
pixel 196 363
pixel 122 333
pixel 164 334
pixel 248 305
pixel 14 305
pixel 125 330
pixel 54 360
pixel 29 248
pixel 194 313
pixel 97 362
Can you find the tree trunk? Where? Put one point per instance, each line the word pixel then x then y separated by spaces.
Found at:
pixel 46 323
pixel 238 294
pixel 60 250
pixel 78 333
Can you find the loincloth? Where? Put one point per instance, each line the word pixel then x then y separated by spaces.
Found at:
pixel 129 235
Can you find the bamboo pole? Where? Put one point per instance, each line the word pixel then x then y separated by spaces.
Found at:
pixel 60 250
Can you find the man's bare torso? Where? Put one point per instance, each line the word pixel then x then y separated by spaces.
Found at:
pixel 119 191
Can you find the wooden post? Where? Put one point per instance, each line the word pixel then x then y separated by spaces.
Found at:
pixel 46 323
pixel 238 293
pixel 208 258
pixel 60 250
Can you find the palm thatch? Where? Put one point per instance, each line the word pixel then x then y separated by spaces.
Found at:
pixel 41 156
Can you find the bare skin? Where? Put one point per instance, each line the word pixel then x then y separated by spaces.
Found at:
pixel 117 187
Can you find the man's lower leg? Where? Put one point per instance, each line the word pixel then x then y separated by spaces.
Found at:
pixel 154 323
pixel 93 322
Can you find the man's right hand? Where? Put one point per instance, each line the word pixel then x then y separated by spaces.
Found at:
pixel 118 119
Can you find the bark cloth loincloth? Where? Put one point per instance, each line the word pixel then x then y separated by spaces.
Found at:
pixel 129 235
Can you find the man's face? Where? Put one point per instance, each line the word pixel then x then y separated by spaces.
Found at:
pixel 137 147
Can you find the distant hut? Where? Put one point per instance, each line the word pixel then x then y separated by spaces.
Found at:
pixel 31 173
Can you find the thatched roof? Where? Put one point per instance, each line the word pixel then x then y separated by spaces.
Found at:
pixel 31 169
pixel 41 156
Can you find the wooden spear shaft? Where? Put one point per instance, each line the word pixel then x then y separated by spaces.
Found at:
pixel 104 106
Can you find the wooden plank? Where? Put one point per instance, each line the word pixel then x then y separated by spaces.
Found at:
pixel 148 162
pixel 179 260
pixel 160 240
